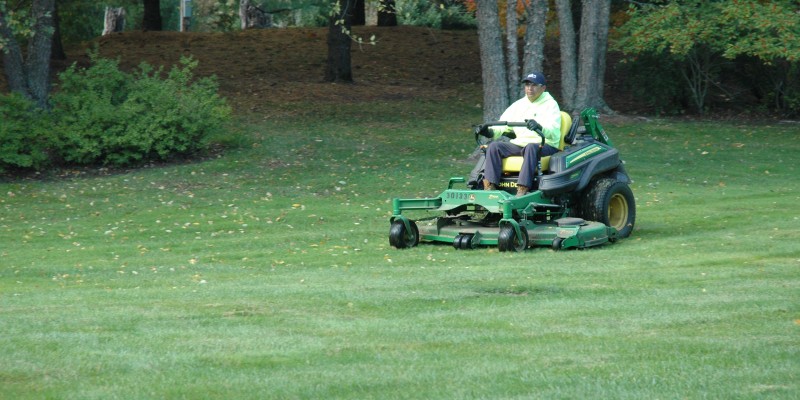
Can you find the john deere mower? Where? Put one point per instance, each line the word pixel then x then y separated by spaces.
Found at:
pixel 581 198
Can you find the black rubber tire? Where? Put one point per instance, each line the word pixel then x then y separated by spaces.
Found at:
pixel 466 242
pixel 507 239
pixel 557 242
pixel 400 238
pixel 610 202
pixel 457 242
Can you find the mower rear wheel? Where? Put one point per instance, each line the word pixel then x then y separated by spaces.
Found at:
pixel 400 237
pixel 611 202
pixel 507 239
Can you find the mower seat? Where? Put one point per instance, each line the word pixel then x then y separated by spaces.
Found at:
pixel 513 164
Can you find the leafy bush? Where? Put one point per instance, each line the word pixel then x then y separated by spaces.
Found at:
pixel 706 37
pixel 447 15
pixel 106 116
pixel 24 138
pixel 216 16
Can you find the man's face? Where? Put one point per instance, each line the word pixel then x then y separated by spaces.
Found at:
pixel 533 90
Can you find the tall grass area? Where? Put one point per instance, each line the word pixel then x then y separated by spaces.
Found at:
pixel 267 273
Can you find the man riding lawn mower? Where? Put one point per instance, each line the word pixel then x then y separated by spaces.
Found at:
pixel 578 197
pixel 543 117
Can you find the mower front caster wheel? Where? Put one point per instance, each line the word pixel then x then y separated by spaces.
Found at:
pixel 462 242
pixel 507 239
pixel 400 237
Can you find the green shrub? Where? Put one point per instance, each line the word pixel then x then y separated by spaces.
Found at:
pixel 87 110
pixel 24 138
pixel 434 15
pixel 105 116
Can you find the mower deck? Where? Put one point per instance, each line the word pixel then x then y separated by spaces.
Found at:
pixel 529 221
pixel 558 234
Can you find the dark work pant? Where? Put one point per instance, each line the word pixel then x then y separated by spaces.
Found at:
pixel 497 151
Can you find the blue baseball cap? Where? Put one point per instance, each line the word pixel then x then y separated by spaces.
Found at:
pixel 536 77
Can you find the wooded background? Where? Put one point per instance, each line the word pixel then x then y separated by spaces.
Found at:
pixel 682 56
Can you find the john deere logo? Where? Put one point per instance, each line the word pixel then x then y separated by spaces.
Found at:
pixel 471 197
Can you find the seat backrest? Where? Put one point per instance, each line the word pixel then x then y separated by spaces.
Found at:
pixel 566 124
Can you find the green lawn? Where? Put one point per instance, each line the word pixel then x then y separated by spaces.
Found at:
pixel 267 273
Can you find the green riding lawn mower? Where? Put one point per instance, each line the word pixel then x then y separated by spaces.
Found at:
pixel 581 198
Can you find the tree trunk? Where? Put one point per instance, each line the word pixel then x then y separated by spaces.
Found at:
pixel 57 52
pixel 602 45
pixel 495 93
pixel 696 74
pixel 512 52
pixel 253 17
pixel 594 22
pixel 569 66
pixel 114 20
pixel 387 16
pixel 151 18
pixel 30 76
pixel 243 4
pixel 359 13
pixel 535 36
pixel 338 67
pixel 184 15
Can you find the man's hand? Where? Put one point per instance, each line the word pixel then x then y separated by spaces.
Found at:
pixel 533 125
pixel 483 130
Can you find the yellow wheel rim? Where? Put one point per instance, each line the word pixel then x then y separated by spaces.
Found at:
pixel 618 211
